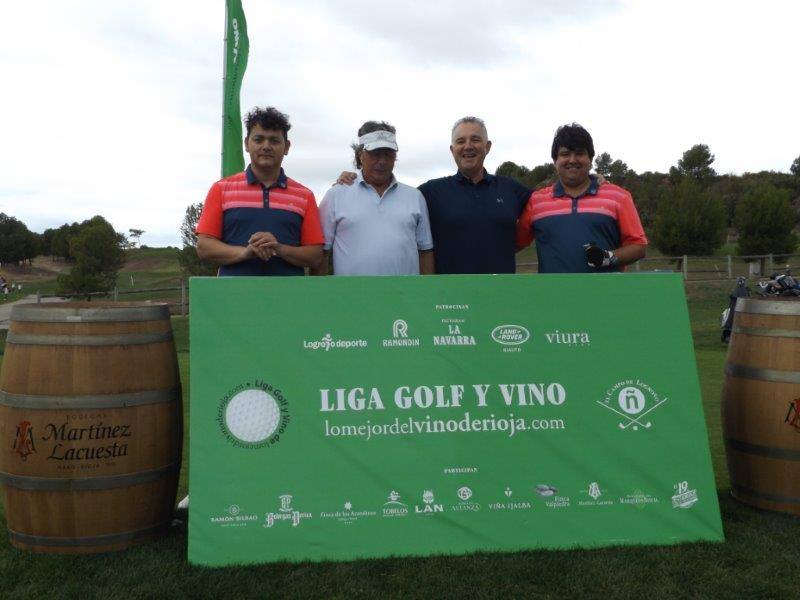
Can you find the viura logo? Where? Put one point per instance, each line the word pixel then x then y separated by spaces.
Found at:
pixel 568 338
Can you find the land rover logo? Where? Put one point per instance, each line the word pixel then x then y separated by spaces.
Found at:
pixel 510 335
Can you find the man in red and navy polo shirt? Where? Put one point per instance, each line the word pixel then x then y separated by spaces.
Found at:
pixel 260 222
pixel 579 224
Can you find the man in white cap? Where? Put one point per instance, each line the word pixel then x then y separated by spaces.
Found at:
pixel 377 226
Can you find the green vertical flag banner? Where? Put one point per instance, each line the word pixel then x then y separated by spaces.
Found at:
pixel 336 418
pixel 237 47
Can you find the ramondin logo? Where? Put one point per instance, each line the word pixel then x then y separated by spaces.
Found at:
pixel 400 337
pixel 510 335
pixel 632 399
pixel 253 415
pixel 329 343
pixel 23 441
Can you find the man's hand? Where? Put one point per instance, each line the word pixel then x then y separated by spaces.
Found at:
pixel 597 257
pixel 346 178
pixel 263 245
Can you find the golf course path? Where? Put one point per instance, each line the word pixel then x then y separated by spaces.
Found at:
pixel 5 307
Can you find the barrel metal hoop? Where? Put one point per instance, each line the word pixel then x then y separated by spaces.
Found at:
pixel 760 450
pixel 121 339
pixel 123 400
pixel 773 375
pixel 86 542
pixel 79 484
pixel 767 307
pixel 768 332
pixel 766 495
pixel 36 313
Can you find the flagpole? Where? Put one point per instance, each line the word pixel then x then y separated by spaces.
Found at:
pixel 224 81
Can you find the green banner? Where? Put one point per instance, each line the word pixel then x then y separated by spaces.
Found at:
pixel 237 48
pixel 335 418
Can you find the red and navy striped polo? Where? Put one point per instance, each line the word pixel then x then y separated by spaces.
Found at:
pixel 604 215
pixel 240 205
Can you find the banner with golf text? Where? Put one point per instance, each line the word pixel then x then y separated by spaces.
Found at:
pixel 335 418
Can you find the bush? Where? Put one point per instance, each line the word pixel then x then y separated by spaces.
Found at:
pixel 690 221
pixel 765 220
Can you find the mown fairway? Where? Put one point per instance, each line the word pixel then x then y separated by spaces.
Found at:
pixel 760 559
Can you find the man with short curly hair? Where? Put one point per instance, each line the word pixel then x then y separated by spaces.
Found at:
pixel 260 222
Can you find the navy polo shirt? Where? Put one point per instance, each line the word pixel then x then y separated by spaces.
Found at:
pixel 474 224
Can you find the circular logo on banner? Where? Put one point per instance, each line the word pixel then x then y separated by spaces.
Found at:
pixel 631 400
pixel 253 415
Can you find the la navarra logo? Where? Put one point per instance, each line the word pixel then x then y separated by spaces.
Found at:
pixel 254 414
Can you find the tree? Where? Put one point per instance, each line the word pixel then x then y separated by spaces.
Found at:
pixel 765 219
pixel 795 168
pixel 98 254
pixel 47 241
pixel 618 172
pixel 696 163
pixel 188 259
pixel 134 234
pixel 12 239
pixel 602 164
pixel 532 178
pixel 648 189
pixel 690 220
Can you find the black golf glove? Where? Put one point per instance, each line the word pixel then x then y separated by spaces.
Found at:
pixel 597 257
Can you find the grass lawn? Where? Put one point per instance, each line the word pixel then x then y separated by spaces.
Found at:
pixel 760 558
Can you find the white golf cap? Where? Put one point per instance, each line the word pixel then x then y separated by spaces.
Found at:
pixel 378 139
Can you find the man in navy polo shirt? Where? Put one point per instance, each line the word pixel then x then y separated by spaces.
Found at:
pixel 260 222
pixel 473 214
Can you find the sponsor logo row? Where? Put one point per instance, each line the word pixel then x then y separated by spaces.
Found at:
pixel 453 332
pixel 463 500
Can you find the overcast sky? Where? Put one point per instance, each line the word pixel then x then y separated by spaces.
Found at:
pixel 113 108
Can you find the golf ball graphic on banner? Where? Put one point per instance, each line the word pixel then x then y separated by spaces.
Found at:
pixel 253 416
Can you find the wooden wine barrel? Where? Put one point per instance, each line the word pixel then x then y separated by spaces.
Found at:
pixel 760 404
pixel 90 425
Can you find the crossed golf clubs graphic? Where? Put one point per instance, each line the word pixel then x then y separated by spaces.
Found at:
pixel 632 420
